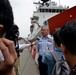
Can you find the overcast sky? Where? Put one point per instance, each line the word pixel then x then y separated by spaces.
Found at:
pixel 23 10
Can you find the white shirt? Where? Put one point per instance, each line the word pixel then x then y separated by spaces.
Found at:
pixel 21 47
pixel 1 56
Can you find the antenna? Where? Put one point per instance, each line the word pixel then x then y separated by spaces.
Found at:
pixel 44 1
pixel 37 2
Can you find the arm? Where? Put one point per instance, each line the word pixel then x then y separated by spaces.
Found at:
pixel 8 50
pixel 23 46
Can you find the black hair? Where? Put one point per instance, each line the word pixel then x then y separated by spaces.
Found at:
pixel 68 36
pixel 13 34
pixel 56 37
pixel 6 16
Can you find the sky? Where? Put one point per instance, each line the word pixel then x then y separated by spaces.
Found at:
pixel 23 10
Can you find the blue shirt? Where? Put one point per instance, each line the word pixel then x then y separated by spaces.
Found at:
pixel 43 43
pixel 49 60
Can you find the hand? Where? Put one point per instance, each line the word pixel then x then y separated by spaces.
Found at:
pixel 8 50
pixel 33 43
pixel 47 48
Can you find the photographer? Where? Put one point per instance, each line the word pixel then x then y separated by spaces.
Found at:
pixel 14 35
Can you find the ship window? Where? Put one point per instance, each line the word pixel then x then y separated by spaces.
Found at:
pixel 53 10
pixel 49 10
pixel 61 10
pixel 40 10
pixel 43 10
pixel 46 10
pixel 57 10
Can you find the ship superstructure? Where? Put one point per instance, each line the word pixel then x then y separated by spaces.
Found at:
pixel 44 10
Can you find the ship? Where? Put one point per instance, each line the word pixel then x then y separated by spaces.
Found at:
pixel 50 14
pixel 45 9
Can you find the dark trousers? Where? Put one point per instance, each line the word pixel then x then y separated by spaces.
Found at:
pixel 42 66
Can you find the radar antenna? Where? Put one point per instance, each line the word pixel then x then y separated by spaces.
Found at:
pixel 44 1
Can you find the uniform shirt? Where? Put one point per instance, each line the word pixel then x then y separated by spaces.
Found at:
pixel 73 71
pixel 43 43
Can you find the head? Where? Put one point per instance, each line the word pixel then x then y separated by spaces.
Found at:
pixel 44 30
pixel 16 30
pixel 56 38
pixel 13 34
pixel 6 17
pixel 68 39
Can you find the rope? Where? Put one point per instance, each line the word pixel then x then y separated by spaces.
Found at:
pixel 21 73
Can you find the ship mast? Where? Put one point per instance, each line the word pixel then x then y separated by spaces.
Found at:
pixel 44 1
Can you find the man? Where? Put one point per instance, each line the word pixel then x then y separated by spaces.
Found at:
pixel 48 58
pixel 68 40
pixel 19 47
pixel 45 42
pixel 14 35
pixel 7 49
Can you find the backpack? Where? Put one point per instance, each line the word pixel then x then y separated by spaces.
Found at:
pixel 61 67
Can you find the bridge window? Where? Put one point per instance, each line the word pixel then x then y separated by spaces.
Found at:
pixel 46 10
pixel 40 10
pixel 52 10
pixel 61 10
pixel 57 10
pixel 49 10
pixel 43 10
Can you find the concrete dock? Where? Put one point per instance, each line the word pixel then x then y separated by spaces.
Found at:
pixel 27 63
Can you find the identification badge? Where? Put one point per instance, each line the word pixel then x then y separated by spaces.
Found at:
pixel 50 40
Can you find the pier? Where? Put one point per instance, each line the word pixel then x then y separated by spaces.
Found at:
pixel 27 63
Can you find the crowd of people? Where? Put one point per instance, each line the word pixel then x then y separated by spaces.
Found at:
pixel 63 43
pixel 9 46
